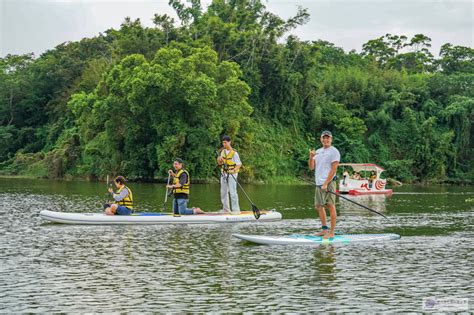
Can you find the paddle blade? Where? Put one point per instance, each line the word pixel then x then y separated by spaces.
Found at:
pixel 256 212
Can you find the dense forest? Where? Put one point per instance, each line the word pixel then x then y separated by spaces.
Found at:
pixel 130 100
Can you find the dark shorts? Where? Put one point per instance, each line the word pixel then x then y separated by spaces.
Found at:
pixel 122 210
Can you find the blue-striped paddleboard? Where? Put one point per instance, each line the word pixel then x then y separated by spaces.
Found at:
pixel 300 239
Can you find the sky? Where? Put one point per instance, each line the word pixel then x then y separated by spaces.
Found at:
pixel 37 25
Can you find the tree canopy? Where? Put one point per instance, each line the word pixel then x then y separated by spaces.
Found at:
pixel 131 99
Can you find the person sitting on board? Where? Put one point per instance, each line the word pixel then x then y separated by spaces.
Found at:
pixel 229 161
pixel 325 161
pixel 180 186
pixel 356 176
pixel 123 204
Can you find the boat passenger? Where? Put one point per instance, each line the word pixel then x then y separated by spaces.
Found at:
pixel 230 163
pixel 123 204
pixel 356 176
pixel 325 161
pixel 345 176
pixel 180 186
pixel 372 178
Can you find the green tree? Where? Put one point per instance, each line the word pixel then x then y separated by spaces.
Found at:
pixel 150 112
pixel 131 99
pixel 456 59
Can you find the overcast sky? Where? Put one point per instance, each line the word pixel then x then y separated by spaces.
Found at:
pixel 38 25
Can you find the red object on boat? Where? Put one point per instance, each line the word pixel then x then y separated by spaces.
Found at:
pixel 370 192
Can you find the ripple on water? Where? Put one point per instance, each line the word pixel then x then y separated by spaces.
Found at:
pixel 60 268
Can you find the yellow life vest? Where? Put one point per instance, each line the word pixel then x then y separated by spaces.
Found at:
pixel 127 201
pixel 185 188
pixel 228 164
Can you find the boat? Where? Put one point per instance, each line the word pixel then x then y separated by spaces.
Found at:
pixel 157 218
pixel 312 240
pixel 363 185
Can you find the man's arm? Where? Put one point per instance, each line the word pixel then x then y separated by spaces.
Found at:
pixel 182 180
pixel 238 163
pixel 123 194
pixel 311 163
pixel 236 169
pixel 219 158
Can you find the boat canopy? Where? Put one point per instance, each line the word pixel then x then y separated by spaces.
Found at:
pixel 357 167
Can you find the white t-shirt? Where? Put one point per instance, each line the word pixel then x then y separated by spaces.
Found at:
pixel 324 159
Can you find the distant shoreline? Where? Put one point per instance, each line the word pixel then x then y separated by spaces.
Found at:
pixel 274 181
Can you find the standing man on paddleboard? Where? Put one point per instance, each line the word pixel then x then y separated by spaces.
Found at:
pixel 230 164
pixel 325 161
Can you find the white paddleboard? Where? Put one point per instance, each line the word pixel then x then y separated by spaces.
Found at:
pixel 156 218
pixel 300 239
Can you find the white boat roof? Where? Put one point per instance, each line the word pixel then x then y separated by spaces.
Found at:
pixel 357 167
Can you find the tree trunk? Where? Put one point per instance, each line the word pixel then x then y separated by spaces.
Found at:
pixel 11 107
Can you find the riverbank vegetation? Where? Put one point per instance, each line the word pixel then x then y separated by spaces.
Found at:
pixel 130 100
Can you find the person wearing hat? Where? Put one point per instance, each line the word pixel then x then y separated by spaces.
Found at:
pixel 230 164
pixel 180 186
pixel 325 161
pixel 123 204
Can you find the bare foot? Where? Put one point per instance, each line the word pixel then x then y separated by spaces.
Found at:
pixel 198 211
pixel 322 233
pixel 329 235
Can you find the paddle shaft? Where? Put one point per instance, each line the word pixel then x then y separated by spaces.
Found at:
pixel 256 211
pixel 107 194
pixel 166 190
pixel 339 195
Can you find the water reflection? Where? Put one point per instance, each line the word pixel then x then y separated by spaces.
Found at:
pixel 375 201
pixel 326 272
pixel 325 263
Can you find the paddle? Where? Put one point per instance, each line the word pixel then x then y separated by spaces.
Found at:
pixel 166 192
pixel 107 194
pixel 372 210
pixel 255 209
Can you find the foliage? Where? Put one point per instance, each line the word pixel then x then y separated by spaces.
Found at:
pixel 131 99
pixel 145 113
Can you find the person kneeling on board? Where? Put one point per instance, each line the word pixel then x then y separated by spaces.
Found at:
pixel 180 186
pixel 123 199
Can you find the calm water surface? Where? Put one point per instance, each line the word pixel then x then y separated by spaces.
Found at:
pixel 72 268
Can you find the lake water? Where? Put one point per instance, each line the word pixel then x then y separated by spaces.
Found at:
pixel 71 268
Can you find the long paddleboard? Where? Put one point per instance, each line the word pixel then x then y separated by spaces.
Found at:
pixel 300 239
pixel 156 218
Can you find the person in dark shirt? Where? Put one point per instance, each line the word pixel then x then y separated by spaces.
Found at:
pixel 180 186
